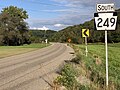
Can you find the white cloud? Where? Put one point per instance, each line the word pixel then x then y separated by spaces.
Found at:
pixel 36 28
pixel 60 22
pixel 59 25
pixel 74 12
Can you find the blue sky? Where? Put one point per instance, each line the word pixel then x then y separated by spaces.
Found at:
pixel 57 14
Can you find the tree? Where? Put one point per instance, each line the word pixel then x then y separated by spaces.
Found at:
pixel 13 28
pixel 13 11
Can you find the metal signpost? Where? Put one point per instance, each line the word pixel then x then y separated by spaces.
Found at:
pixel 105 19
pixel 85 34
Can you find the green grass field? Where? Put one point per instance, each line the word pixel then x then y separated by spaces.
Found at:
pixel 6 51
pixel 95 62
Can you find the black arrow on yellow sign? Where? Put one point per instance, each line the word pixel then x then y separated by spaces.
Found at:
pixel 85 32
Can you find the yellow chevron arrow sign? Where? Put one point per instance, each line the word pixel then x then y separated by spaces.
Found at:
pixel 85 32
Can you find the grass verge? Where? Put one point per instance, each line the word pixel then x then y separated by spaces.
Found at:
pixel 6 51
pixel 91 69
pixel 94 65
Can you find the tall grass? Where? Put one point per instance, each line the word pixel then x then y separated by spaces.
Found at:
pixel 95 64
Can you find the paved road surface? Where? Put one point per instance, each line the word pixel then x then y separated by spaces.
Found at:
pixel 33 70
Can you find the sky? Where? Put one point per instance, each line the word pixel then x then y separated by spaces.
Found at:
pixel 57 14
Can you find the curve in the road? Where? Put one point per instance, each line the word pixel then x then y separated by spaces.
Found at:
pixel 25 64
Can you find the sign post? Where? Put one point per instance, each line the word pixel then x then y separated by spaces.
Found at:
pixel 106 48
pixel 85 34
pixel 105 19
pixel 86 46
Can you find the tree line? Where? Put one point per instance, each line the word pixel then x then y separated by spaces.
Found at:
pixel 39 36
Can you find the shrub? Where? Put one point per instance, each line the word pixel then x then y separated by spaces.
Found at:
pixel 68 77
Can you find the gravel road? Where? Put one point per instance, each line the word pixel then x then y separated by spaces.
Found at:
pixel 34 70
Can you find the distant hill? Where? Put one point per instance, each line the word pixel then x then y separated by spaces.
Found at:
pixel 41 35
pixel 74 33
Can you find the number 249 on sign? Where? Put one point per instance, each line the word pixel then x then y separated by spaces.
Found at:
pixel 109 22
pixel 105 21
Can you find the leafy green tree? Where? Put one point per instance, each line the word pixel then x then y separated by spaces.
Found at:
pixel 18 13
pixel 14 30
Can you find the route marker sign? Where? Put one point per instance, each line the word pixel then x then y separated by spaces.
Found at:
pixel 85 32
pixel 105 19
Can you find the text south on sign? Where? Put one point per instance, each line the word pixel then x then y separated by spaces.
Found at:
pixel 105 7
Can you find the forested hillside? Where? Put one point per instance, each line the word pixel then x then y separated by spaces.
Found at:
pixel 37 36
pixel 74 33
